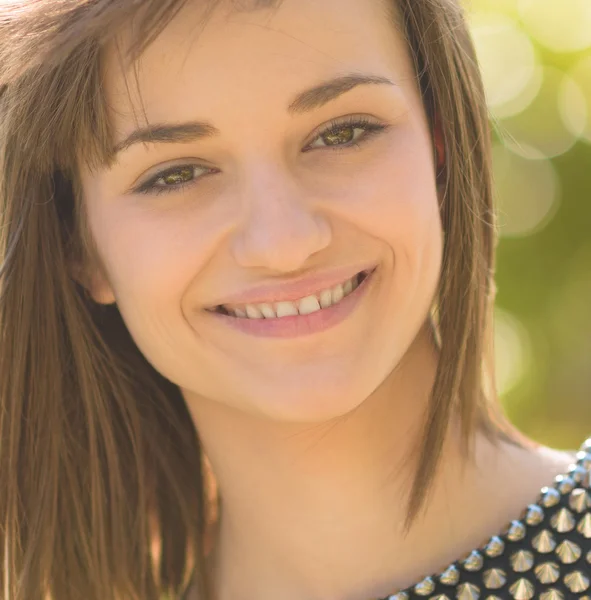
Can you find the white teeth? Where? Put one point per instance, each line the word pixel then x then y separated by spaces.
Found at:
pixel 308 305
pixel 337 293
pixel 348 286
pixel 253 312
pixel 305 306
pixel 267 311
pixel 286 309
pixel 325 298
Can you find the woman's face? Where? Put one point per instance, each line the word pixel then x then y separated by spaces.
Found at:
pixel 262 182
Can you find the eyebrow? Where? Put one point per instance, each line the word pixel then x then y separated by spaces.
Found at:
pixel 305 101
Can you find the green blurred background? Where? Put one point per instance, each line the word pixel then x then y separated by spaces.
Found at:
pixel 536 60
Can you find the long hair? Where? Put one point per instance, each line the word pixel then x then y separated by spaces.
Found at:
pixel 102 485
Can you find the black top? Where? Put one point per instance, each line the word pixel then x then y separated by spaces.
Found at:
pixel 544 554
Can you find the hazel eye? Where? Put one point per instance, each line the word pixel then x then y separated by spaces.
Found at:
pixel 179 175
pixel 345 134
pixel 174 178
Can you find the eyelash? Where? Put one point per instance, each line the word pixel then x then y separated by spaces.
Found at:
pixel 370 128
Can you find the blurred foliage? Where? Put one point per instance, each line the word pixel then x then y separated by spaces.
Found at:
pixel 536 59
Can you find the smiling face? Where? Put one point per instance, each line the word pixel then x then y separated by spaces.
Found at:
pixel 304 151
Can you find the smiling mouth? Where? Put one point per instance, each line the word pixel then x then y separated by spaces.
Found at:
pixel 316 302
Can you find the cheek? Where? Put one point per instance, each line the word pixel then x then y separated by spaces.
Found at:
pixel 152 258
pixel 396 203
pixel 150 254
pixel 394 197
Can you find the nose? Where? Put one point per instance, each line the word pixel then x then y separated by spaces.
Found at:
pixel 282 227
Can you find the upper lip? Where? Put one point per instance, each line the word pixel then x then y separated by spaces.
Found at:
pixel 293 290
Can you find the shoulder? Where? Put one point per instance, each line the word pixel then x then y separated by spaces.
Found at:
pixel 545 551
pixel 572 464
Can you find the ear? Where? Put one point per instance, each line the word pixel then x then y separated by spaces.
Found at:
pixel 439 141
pixel 95 281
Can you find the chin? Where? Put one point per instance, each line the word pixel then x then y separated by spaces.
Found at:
pixel 303 406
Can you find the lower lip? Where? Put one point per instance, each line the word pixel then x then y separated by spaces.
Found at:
pixel 300 325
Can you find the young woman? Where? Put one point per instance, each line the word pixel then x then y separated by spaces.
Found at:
pixel 246 293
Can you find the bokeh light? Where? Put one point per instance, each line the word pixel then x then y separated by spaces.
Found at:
pixel 577 106
pixel 512 351
pixel 507 58
pixel 572 106
pixel 527 192
pixel 541 125
pixel 535 56
pixel 560 25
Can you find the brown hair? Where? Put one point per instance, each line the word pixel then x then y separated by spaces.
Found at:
pixel 98 454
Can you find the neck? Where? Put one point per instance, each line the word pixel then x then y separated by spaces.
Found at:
pixel 316 510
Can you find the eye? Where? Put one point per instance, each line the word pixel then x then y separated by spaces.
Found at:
pixel 173 179
pixel 350 132
pixel 339 135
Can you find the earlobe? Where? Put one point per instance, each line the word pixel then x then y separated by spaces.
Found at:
pixel 95 282
pixel 102 293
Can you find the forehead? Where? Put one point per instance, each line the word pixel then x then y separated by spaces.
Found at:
pixel 218 57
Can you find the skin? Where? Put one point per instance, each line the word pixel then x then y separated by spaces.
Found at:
pixel 307 437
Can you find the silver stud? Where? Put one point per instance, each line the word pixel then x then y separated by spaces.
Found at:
pixel 563 520
pixel 450 576
pixel 579 500
pixel 586 445
pixel 568 552
pixel 577 472
pixel 544 542
pixel 468 591
pixel 564 483
pixel 584 526
pixel 399 596
pixel 550 497
pixel 576 582
pixel 440 597
pixel 494 578
pixel 534 515
pixel 584 459
pixel 547 572
pixel 473 562
pixel 522 560
pixel 522 589
pixel 425 587
pixel 588 557
pixel 515 531
pixel 495 547
pixel 552 594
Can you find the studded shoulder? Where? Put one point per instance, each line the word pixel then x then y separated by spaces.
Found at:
pixel 545 554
